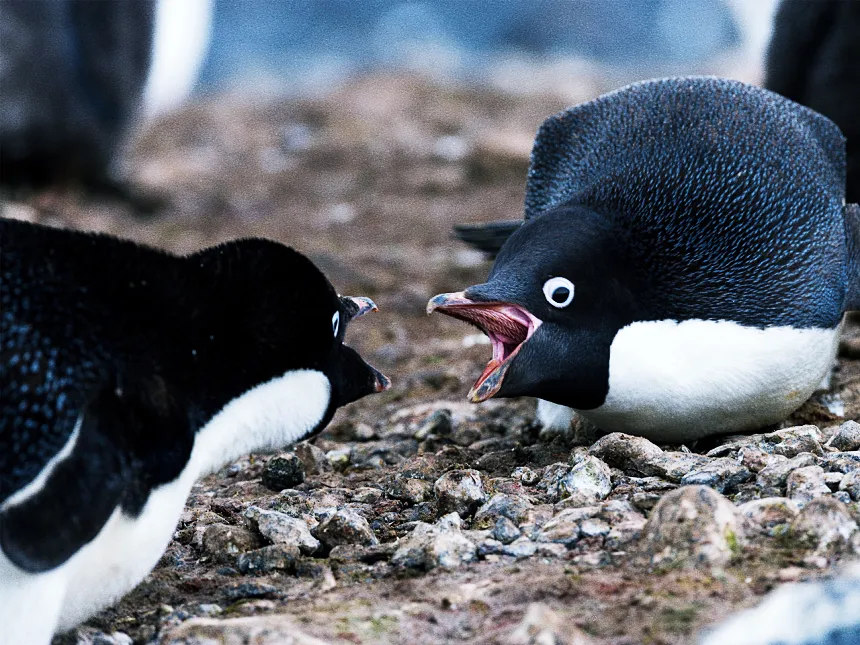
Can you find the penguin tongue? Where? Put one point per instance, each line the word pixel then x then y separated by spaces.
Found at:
pixel 508 327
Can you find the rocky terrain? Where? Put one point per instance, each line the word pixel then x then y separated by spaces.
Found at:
pixel 418 518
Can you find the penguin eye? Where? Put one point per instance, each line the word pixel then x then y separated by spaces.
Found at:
pixel 558 292
pixel 335 323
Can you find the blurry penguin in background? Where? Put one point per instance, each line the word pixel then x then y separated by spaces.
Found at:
pixel 77 75
pixel 814 59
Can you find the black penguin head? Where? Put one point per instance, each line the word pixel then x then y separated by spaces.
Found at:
pixel 555 298
pixel 277 313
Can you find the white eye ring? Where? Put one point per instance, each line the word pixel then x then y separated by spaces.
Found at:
pixel 335 323
pixel 554 285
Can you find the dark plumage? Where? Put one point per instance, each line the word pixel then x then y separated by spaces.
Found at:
pixel 123 355
pixel 814 58
pixel 694 200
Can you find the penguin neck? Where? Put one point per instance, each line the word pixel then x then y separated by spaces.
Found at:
pixel 268 416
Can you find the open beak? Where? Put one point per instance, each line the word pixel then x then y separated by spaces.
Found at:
pixel 357 306
pixel 508 327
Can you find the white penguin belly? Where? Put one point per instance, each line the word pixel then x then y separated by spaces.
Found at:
pixel 676 382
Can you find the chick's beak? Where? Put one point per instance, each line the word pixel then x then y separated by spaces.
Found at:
pixel 357 306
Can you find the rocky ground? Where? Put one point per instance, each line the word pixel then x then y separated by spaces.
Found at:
pixel 416 517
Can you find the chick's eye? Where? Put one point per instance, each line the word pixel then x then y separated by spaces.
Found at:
pixel 335 323
pixel 558 292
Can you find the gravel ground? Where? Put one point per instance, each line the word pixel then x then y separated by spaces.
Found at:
pixel 417 517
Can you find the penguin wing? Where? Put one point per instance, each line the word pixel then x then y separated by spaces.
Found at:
pixel 122 448
pixel 852 232
pixel 487 237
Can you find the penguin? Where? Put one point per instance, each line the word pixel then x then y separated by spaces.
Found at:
pixel 814 58
pixel 125 375
pixel 812 613
pixel 684 264
pixel 77 76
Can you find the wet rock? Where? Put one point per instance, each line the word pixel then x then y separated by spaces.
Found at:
pixel 770 516
pixel 259 630
pixel 721 474
pixel 224 542
pixel 851 484
pixel 691 526
pixel 805 484
pixel 505 531
pixel 631 454
pixel 409 489
pixel 543 626
pixel 776 474
pixel 588 482
pixel 459 491
pixel 283 471
pixel 847 438
pixel 825 526
pixel 280 528
pixel 345 527
pixel 437 545
pixel 514 507
pixel 313 458
pixel 275 557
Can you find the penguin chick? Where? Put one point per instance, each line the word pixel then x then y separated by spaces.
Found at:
pixel 125 375
pixel 684 264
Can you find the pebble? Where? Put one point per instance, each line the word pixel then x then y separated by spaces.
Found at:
pixel 259 630
pixel 438 545
pixel 722 474
pixel 339 458
pixel 514 507
pixel 313 458
pixel 824 526
pixel 847 438
pixel 520 548
pixel 692 526
pixel 408 489
pixel 851 484
pixel 345 527
pixel 280 528
pixel 505 531
pixel 631 454
pixel 588 482
pixel 275 557
pixel 459 491
pixel 224 541
pixel 771 515
pixel 806 484
pixel 525 475
pixel 790 442
pixel 283 471
pixel 776 474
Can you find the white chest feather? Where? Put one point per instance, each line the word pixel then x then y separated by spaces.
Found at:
pixel 271 415
pixel 677 382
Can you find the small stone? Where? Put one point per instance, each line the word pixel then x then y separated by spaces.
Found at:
pixel 563 528
pixel 851 484
pixel 631 454
pixel 283 471
pixel 345 527
pixel 593 527
pixel 672 466
pixel 408 489
pixel 691 526
pixel 438 545
pixel 588 482
pixel 550 550
pixel 115 638
pixel 280 528
pixel 525 475
pixel 842 496
pixel 366 495
pixel 775 475
pixel 489 546
pixel 771 515
pixel 825 526
pixel 755 459
pixel 440 423
pixel 520 548
pixel 275 629
pixel 313 458
pixel 847 438
pixel 275 557
pixel 366 554
pixel 721 474
pixel 505 531
pixel 515 507
pixel 790 442
pixel 340 458
pixel 459 491
pixel 223 541
pixel 805 484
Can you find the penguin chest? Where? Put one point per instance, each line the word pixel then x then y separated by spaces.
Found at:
pixel 672 381
pixel 123 553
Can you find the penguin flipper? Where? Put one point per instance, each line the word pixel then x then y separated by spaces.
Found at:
pixel 78 497
pixel 487 237
pixel 852 231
